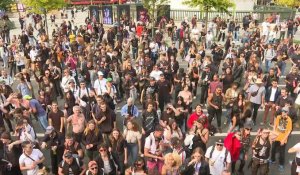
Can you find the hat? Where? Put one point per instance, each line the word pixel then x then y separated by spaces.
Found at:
pixel 285 109
pixel 49 130
pixel 71 81
pixel 5 135
pixel 100 73
pixel 92 163
pixel 109 79
pixel 152 79
pixel 68 155
pixel 220 141
pixel 27 97
pixel 258 81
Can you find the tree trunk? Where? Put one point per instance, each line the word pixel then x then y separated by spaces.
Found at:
pixel 206 18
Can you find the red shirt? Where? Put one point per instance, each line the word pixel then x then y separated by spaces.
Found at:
pixel 233 145
pixel 194 117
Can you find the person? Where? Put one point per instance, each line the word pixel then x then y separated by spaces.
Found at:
pixel 9 156
pixel 283 127
pixel 152 152
pixel 77 120
pixel 196 164
pixel 106 162
pixel 171 164
pixel 129 111
pixel 213 156
pixel 201 135
pixel 74 147
pixel 165 89
pixel 133 138
pixel 91 137
pixel 138 168
pixel 245 142
pixel 261 148
pixel 231 95
pixel 256 96
pixel 150 120
pixel 295 164
pixel 30 159
pixel 272 94
pixel 71 166
pixel 195 116
pixel 214 109
pixel 92 168
pixel 232 143
pixel 56 118
pixel 55 142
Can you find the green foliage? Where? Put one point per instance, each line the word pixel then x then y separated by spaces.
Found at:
pixel 38 6
pixel 5 4
pixel 289 3
pixel 153 6
pixel 218 5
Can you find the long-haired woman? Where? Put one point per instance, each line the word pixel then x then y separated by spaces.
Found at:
pixel 91 138
pixel 172 164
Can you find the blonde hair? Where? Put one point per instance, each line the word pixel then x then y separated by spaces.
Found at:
pixel 175 156
pixel 87 129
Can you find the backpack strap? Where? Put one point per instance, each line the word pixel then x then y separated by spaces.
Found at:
pixel 211 152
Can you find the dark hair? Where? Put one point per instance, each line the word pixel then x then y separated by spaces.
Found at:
pixel 159 128
pixel 25 143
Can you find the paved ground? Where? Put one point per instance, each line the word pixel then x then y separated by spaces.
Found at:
pixel 294 138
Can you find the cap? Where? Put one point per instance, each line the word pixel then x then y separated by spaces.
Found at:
pixel 109 79
pixel 68 155
pixel 220 141
pixel 92 163
pixel 27 97
pixel 49 130
pixel 258 81
pixel 100 73
pixel 152 79
pixel 5 135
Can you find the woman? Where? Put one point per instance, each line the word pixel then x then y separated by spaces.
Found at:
pixel 172 130
pixel 227 79
pixel 24 87
pixel 178 81
pixel 91 138
pixel 295 170
pixel 171 165
pixel 201 135
pixel 250 77
pixel 118 148
pixel 44 99
pixel 181 115
pixel 230 97
pixel 235 122
pixel 69 103
pixel 138 168
pixel 133 138
pixel 196 165
pixel 48 88
pixel 107 164
pixel 187 97
pixel 246 117
pixel 194 74
pixel 232 143
pixel 93 168
pixel 19 61
pixel 245 141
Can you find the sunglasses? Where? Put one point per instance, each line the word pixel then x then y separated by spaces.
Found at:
pixel 138 164
pixel 94 168
pixel 248 129
pixel 219 144
pixel 102 150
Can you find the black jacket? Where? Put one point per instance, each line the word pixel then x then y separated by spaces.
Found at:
pixel 112 162
pixel 268 94
pixel 204 169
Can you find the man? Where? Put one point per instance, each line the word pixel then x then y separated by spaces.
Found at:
pixel 100 83
pixel 149 120
pixel 283 127
pixel 218 158
pixel 150 90
pixel 217 55
pixel 268 79
pixel 37 110
pixel 206 78
pixel 30 159
pixel 71 165
pixel 93 168
pixel 272 94
pixel 256 95
pixel 214 84
pixel 105 118
pixel 55 142
pixel 165 89
pixel 66 79
pixel 56 118
pixel 261 147
pixel 283 99
pixel 77 120
pixel 151 151
pixel 6 78
pixel 9 155
pixel 134 46
pixel 129 111
pixel 214 109
pixel 82 96
pixel 295 58
pixel 155 73
pixel 292 79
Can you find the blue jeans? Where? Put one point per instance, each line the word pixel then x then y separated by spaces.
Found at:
pixel 134 52
pixel 268 65
pixel 236 35
pixel 282 68
pixel 132 152
pixel 43 121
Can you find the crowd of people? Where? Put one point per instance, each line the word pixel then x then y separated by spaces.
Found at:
pixel 73 83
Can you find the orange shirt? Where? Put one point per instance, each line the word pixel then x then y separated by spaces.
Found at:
pixel 283 127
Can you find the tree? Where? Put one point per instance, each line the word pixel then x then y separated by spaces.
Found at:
pixel 207 5
pixel 153 6
pixel 289 3
pixel 5 4
pixel 43 7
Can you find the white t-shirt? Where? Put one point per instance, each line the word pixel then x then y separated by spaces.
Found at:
pixel 100 86
pixel 156 74
pixel 150 144
pixel 218 157
pixel 35 155
pixel 297 146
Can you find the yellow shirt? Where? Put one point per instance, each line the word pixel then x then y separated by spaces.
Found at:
pixel 72 38
pixel 282 127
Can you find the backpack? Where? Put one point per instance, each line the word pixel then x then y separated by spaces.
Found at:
pixel 212 150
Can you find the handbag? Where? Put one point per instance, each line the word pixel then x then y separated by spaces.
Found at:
pixel 254 94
